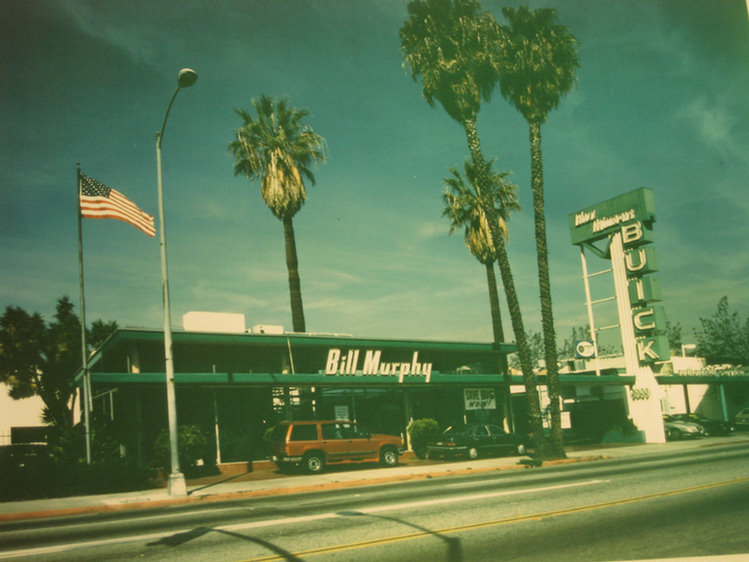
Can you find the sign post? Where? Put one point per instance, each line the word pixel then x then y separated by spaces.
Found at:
pixel 624 225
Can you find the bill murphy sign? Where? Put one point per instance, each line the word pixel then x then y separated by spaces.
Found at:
pixel 353 362
pixel 631 217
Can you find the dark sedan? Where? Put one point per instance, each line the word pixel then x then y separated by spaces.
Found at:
pixel 473 440
pixel 711 427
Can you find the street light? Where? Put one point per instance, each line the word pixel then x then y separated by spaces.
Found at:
pixel 176 483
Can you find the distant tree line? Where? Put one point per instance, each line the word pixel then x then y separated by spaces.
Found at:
pixel 723 338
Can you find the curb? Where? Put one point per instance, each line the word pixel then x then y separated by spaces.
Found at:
pixel 245 494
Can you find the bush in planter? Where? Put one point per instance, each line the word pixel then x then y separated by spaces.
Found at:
pixel 196 456
pixel 56 470
pixel 422 432
pixel 624 432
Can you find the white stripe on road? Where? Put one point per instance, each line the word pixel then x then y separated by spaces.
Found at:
pixel 292 520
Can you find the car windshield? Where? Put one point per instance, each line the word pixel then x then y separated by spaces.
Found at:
pixel 454 429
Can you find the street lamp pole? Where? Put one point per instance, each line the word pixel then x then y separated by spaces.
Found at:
pixel 176 483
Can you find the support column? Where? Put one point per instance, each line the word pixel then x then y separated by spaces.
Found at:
pixel 407 412
pixel 643 400
pixel 216 428
pixel 723 405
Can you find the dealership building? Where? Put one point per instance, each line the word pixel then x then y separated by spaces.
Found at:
pixel 235 385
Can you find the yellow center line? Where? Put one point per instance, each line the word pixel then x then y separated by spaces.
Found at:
pixel 494 523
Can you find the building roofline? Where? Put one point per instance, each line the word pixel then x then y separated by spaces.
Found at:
pixel 142 334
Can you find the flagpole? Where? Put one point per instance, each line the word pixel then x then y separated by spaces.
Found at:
pixel 84 354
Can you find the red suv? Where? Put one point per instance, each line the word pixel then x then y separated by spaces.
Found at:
pixel 313 444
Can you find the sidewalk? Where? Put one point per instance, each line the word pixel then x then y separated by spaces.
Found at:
pixel 267 481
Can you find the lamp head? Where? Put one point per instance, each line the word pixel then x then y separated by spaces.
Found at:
pixel 187 77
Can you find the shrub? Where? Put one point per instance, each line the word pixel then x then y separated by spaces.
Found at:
pixel 31 472
pixel 196 456
pixel 422 432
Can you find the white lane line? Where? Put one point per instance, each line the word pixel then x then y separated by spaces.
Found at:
pixel 483 496
pixel 292 520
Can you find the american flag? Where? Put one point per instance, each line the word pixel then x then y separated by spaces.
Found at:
pixel 99 201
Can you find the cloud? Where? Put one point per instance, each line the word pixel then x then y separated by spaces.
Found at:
pixel 713 122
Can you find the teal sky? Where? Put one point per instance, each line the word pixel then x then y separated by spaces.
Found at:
pixel 661 101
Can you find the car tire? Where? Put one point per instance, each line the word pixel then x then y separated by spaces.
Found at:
pixel 313 463
pixel 472 453
pixel 389 457
pixel 672 434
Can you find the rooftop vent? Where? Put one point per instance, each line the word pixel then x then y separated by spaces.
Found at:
pixel 213 322
pixel 267 329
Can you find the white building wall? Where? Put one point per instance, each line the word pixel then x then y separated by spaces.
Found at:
pixel 18 413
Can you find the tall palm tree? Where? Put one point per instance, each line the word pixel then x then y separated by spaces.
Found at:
pixel 464 210
pixel 538 67
pixel 277 148
pixel 452 47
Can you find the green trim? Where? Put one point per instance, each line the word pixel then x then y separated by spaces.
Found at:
pixel 317 379
pixel 700 379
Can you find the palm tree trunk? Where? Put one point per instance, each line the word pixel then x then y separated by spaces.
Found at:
pixel 491 281
pixel 513 305
pixel 498 332
pixel 295 287
pixel 547 317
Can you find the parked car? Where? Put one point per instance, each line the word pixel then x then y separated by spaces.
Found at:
pixel 678 429
pixel 473 440
pixel 315 444
pixel 711 427
pixel 741 420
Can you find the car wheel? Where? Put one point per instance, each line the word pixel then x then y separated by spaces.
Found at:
pixel 389 457
pixel 673 434
pixel 521 449
pixel 473 453
pixel 313 463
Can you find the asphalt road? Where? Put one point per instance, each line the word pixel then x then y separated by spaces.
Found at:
pixel 695 504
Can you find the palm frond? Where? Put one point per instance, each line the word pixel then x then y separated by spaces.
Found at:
pixel 538 61
pixel 276 147
pixel 467 210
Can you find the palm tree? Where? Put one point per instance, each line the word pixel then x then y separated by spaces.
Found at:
pixel 277 148
pixel 538 67
pixel 464 210
pixel 453 48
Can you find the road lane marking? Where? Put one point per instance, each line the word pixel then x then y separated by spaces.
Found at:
pixel 292 520
pixel 494 523
pixel 385 540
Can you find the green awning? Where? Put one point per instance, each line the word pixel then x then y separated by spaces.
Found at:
pixel 318 379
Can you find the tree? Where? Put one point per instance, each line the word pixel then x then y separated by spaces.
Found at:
pixel 453 48
pixel 578 333
pixel 536 347
pixel 277 148
pixel 673 333
pixel 464 210
pixel 582 333
pixel 37 359
pixel 539 59
pixel 99 332
pixel 723 338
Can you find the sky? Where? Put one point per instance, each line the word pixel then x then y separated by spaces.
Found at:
pixel 660 101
